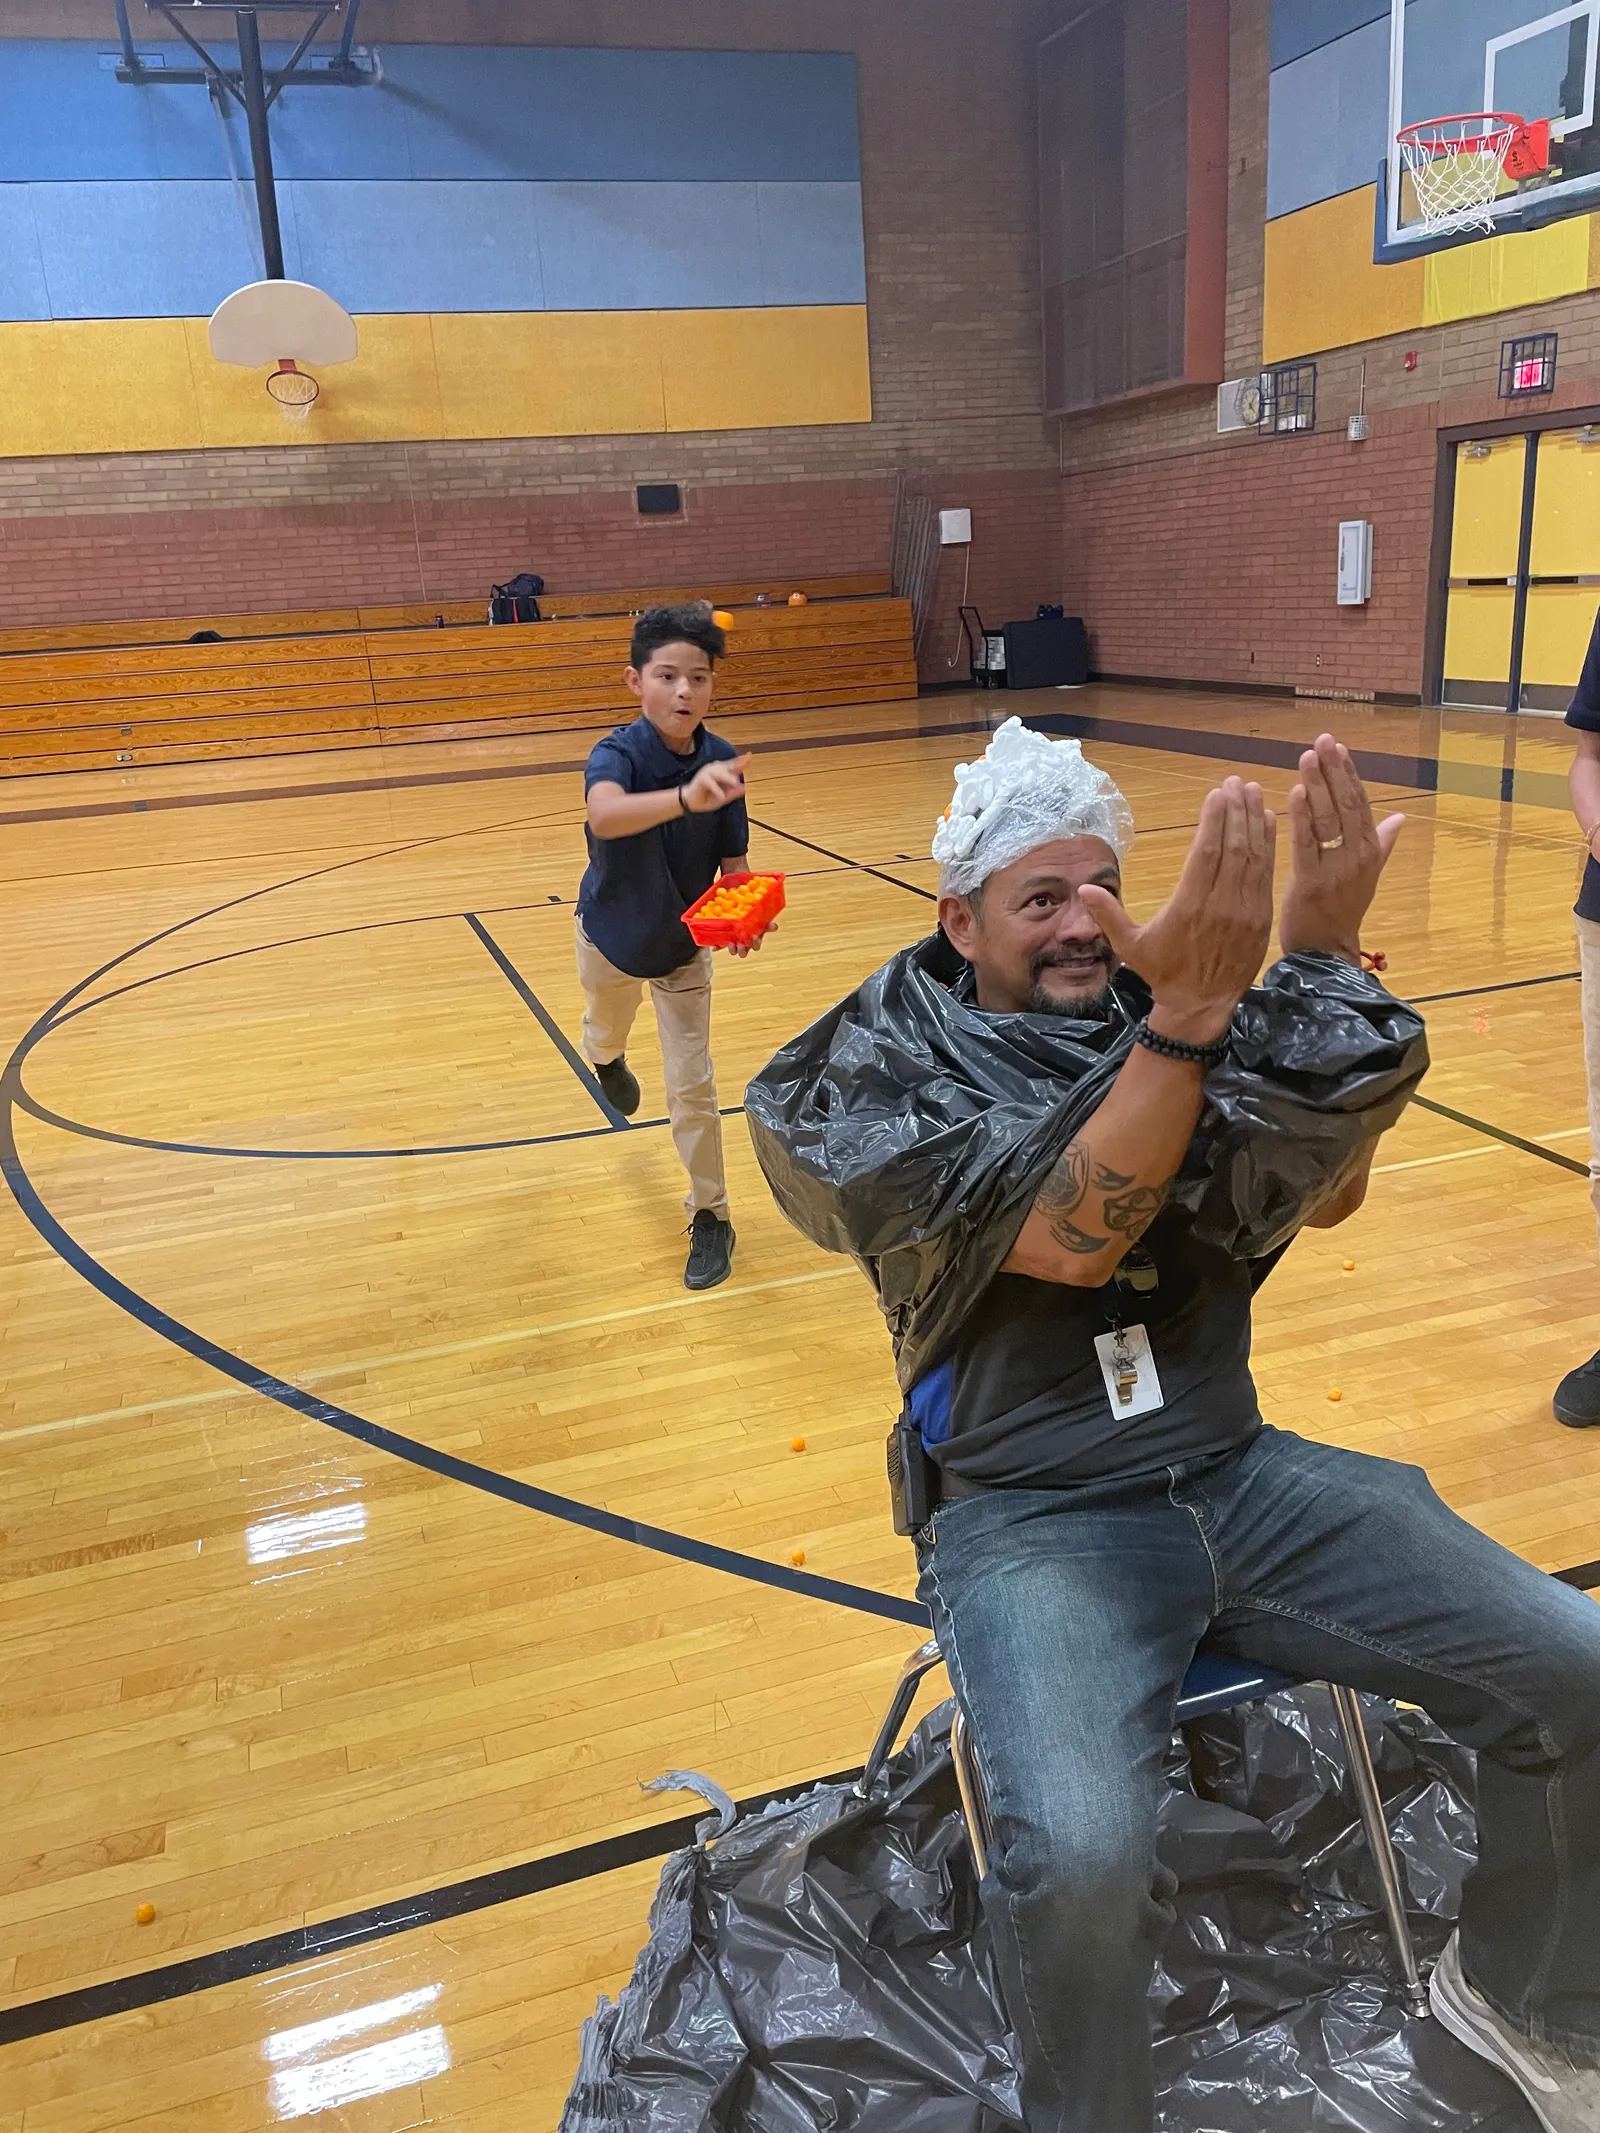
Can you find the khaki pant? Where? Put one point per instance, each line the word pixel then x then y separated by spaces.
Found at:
pixel 1589 969
pixel 683 1018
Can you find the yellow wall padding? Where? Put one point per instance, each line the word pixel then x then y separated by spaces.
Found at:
pixel 151 385
pixel 1322 289
pixel 1500 273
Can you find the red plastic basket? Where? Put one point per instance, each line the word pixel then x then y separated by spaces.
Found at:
pixel 734 932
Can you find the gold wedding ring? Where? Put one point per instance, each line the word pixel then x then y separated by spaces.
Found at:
pixel 1329 844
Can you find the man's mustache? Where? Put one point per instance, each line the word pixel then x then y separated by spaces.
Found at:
pixel 1072 958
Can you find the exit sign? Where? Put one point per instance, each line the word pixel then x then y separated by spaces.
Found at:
pixel 1528 366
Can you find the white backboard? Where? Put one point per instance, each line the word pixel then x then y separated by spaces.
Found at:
pixel 278 321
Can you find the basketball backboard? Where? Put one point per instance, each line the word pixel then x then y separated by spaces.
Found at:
pixel 284 322
pixel 1522 57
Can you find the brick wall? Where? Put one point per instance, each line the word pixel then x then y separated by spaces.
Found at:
pixel 1211 558
pixel 951 245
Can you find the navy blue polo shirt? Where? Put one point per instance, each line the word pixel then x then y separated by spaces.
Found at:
pixel 1584 712
pixel 636 889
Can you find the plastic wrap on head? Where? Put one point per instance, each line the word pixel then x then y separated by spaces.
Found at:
pixel 1023 791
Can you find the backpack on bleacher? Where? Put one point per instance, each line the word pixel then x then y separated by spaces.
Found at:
pixel 517 600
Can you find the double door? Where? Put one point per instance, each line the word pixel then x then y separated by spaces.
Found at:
pixel 1524 579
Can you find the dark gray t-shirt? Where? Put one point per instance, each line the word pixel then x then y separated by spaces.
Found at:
pixel 1021 1403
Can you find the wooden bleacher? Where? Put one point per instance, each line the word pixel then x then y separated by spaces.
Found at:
pixel 99 696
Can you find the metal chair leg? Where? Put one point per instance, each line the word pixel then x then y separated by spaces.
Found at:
pixel 922 1661
pixel 969 1783
pixel 1369 1804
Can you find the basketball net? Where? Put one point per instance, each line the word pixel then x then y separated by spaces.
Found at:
pixel 294 390
pixel 1455 165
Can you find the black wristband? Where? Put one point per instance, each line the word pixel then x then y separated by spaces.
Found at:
pixel 683 800
pixel 1202 1055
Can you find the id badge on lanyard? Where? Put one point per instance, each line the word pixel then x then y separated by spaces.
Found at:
pixel 1133 1386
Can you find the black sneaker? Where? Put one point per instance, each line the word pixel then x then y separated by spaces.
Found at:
pixel 711 1242
pixel 618 1086
pixel 1577 1401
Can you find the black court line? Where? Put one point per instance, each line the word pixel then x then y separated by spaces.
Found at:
pixel 1418 773
pixel 863 1599
pixel 1471 992
pixel 617 1120
pixel 456 1899
pixel 28 1102
pixel 859 866
pixel 1499 1133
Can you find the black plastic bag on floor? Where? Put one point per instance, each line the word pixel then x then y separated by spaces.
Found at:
pixel 826 1964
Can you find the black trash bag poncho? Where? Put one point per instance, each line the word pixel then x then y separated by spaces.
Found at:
pixel 826 1964
pixel 911 1129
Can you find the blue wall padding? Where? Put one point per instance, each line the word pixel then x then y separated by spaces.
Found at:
pixel 175 248
pixel 1328 119
pixel 1300 26
pixel 452 112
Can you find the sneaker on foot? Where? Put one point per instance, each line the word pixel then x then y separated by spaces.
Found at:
pixel 1565 2097
pixel 1577 1401
pixel 711 1243
pixel 618 1086
pixel 1577 1396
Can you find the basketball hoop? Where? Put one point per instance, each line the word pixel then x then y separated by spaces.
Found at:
pixel 1456 165
pixel 285 323
pixel 294 390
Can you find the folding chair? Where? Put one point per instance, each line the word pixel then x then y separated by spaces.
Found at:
pixel 1214 1683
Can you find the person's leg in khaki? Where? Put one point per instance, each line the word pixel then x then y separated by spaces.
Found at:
pixel 610 1002
pixel 1577 1400
pixel 683 1016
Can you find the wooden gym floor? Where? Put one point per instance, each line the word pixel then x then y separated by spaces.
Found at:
pixel 343 1337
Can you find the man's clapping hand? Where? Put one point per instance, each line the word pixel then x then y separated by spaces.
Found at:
pixel 1202 949
pixel 1337 854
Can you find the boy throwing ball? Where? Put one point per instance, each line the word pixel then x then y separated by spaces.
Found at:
pixel 665 809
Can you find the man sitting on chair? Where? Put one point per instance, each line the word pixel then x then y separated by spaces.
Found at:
pixel 1074 1342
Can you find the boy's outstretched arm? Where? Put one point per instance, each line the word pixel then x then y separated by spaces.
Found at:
pixel 611 812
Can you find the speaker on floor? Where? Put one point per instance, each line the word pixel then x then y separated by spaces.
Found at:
pixel 1051 652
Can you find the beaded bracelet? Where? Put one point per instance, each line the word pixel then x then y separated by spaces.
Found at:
pixel 1204 1055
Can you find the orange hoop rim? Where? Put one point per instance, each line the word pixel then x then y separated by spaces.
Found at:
pixel 1496 131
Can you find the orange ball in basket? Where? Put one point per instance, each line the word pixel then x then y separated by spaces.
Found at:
pixel 797 599
pixel 721 617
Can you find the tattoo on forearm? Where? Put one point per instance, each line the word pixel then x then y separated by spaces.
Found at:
pixel 1127 1209
pixel 1064 1188
pixel 1131 1213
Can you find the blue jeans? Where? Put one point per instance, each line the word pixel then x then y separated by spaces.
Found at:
pixel 1068 1618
